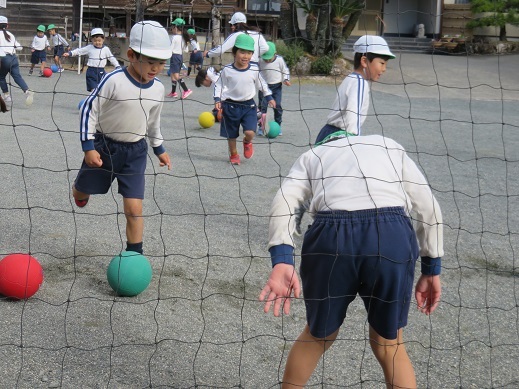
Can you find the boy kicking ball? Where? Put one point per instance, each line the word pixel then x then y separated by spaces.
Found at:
pixel 362 191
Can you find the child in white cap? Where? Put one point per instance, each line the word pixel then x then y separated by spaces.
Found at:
pixel 116 119
pixel 350 107
pixel 98 56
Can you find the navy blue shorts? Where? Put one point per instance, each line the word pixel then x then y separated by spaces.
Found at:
pixel 38 56
pixel 236 113
pixel 93 77
pixel 124 161
pixel 175 63
pixel 196 58
pixel 371 253
pixel 59 50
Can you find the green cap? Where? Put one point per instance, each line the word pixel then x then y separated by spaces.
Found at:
pixel 191 31
pixel 244 42
pixel 270 52
pixel 51 26
pixel 41 28
pixel 178 22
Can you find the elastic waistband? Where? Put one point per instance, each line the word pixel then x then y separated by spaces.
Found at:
pixel 362 214
pixel 101 136
pixel 246 102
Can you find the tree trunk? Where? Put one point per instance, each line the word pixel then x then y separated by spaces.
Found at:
pixel 502 33
pixel 322 33
pixel 350 24
pixel 215 32
pixel 311 28
pixel 288 22
pixel 139 11
pixel 337 37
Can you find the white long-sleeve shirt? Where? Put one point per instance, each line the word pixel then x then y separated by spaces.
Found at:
pixel 357 173
pixel 350 108
pixel 178 46
pixel 260 45
pixel 123 110
pixel 194 45
pixel 57 40
pixel 97 57
pixel 240 84
pixel 276 71
pixel 11 46
pixel 40 43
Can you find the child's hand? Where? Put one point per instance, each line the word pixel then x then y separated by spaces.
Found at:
pixel 278 289
pixel 218 105
pixel 272 103
pixel 428 291
pixel 287 83
pixel 32 50
pixel 164 160
pixel 65 54
pixel 93 158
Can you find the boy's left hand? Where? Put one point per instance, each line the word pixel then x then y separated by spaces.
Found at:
pixel 272 103
pixel 278 289
pixel 164 160
pixel 287 83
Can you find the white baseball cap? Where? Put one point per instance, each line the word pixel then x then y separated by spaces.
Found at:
pixel 238 17
pixel 150 39
pixel 97 31
pixel 3 19
pixel 372 44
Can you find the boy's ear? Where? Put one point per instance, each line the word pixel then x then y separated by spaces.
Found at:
pixel 131 55
pixel 364 61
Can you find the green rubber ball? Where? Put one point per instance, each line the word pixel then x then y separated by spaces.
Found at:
pixel 274 129
pixel 129 273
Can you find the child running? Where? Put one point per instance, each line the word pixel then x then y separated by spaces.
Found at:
pixel 98 55
pixel 39 44
pixel 362 191
pixel 179 46
pixel 234 93
pixel 60 45
pixel 196 57
pixel 275 71
pixel 115 120
pixel 350 107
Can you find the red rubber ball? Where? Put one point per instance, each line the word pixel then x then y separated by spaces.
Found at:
pixel 47 72
pixel 20 276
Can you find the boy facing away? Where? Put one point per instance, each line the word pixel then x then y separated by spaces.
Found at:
pixel 234 93
pixel 39 44
pixel 115 119
pixel 60 45
pixel 98 55
pixel 361 190
pixel 350 107
pixel 275 71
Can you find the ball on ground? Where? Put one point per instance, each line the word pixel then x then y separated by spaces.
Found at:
pixel 81 104
pixel 129 273
pixel 273 129
pixel 206 119
pixel 47 72
pixel 54 68
pixel 20 276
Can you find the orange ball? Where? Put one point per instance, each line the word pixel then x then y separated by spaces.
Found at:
pixel 20 276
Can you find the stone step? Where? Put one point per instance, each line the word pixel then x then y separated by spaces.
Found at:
pixel 396 44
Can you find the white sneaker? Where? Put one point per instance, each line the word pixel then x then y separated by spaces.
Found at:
pixel 30 97
pixel 60 70
pixel 7 98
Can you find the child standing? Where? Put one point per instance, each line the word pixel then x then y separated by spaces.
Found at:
pixel 361 191
pixel 275 71
pixel 60 45
pixel 196 58
pixel 98 56
pixel 10 64
pixel 179 42
pixel 115 119
pixel 234 93
pixel 39 44
pixel 351 105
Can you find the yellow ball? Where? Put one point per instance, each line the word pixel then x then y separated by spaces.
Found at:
pixel 206 119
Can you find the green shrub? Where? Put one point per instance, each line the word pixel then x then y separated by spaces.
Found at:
pixel 291 53
pixel 322 65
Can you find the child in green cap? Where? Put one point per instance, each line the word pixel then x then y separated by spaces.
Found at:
pixel 179 45
pixel 60 45
pixel 38 46
pixel 196 58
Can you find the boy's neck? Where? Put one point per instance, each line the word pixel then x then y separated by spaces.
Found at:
pixel 241 67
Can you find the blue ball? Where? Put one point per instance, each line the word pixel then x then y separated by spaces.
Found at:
pixel 54 68
pixel 81 104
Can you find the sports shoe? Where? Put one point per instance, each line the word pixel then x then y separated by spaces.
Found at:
pixel 186 93
pixel 41 74
pixel 172 94
pixel 29 98
pixel 60 70
pixel 259 132
pixel 30 72
pixel 7 98
pixel 81 203
pixel 248 150
pixel 235 159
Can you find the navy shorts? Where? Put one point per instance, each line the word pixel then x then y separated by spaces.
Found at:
pixel 59 50
pixel 175 63
pixel 371 253
pixel 38 56
pixel 93 77
pixel 196 58
pixel 236 113
pixel 124 161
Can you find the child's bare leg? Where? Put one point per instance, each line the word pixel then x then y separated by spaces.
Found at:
pixel 303 358
pixel 134 220
pixel 42 66
pixel 248 136
pixel 393 358
pixel 232 146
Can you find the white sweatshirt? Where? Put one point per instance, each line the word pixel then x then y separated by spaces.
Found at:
pixel 240 84
pixel 39 43
pixel 276 71
pixel 260 45
pixel 97 57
